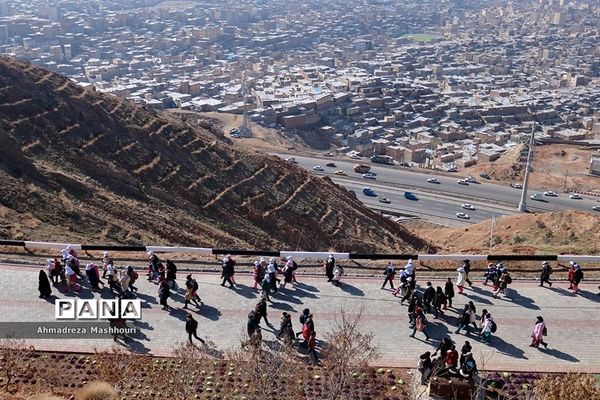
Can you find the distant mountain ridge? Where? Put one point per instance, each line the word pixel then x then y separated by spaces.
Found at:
pixel 84 166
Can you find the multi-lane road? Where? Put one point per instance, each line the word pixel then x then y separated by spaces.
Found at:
pixel 441 200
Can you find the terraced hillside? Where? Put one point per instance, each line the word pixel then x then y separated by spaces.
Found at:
pixel 77 165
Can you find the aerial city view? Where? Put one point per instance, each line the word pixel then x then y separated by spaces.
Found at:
pixel 362 199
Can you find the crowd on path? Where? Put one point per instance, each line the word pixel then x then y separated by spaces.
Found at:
pixel 269 278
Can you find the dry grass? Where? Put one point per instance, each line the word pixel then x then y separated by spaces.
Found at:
pixel 97 391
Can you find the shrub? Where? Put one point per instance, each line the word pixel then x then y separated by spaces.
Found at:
pixel 518 239
pixel 97 391
pixel 571 386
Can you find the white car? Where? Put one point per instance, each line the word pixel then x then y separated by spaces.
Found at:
pixel 318 168
pixel 471 179
pixel 355 156
pixel 462 215
pixel 551 194
pixel 575 196
pixel 369 175
pixel 385 200
pixel 468 206
pixel 516 185
pixel 463 182
pixel 596 208
pixel 433 180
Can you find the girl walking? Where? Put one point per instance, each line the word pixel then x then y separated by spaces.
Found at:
pixel 460 281
pixel 539 331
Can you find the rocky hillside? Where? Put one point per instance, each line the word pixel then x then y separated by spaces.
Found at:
pixel 76 165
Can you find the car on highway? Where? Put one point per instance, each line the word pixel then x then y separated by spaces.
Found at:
pixel 291 160
pixel 318 168
pixel 452 169
pixel 410 196
pixel 596 208
pixel 516 185
pixel 328 154
pixel 471 179
pixel 463 182
pixel 330 164
pixel 355 157
pixel 369 175
pixel 575 196
pixel 367 191
pixel 434 180
pixel 385 200
pixel 537 196
pixel 462 215
pixel 340 172
pixel 551 194
pixel 468 206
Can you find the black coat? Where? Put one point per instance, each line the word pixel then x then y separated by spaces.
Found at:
pixel 44 284
pixel 191 325
pixel 449 290
pixel 429 294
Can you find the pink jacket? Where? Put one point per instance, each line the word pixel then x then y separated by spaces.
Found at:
pixel 538 330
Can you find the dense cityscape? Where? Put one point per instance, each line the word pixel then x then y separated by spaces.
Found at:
pixel 439 82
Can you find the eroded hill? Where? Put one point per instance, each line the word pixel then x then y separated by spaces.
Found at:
pixel 76 165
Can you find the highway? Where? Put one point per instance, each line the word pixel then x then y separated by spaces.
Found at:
pixel 437 200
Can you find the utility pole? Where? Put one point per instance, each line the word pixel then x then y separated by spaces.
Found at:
pixel 523 202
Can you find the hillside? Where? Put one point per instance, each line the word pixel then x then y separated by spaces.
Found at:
pixel 568 232
pixel 567 169
pixel 76 165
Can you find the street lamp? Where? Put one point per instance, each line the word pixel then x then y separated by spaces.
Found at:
pixel 523 202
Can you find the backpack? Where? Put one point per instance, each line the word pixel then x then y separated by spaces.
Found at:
pixel 294 266
pixel 494 327
pixel 545 331
pixel 134 275
pixel 302 319
pixel 508 279
pixel 194 285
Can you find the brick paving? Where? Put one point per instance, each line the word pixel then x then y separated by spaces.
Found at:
pixel 574 340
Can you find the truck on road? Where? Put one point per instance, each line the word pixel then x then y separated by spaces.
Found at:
pixel 362 168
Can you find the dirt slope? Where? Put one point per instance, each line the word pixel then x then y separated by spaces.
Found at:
pixel 77 165
pixel 569 232
pixel 551 165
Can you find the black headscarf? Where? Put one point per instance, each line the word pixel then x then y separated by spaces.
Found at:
pixel 44 284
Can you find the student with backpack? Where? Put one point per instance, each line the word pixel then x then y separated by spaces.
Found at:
pixel 465 319
pixel 191 292
pixel 171 274
pixel 449 292
pixel 489 327
pixel 539 331
pixel 302 319
pixel 133 276
pixel 505 280
pixel 420 321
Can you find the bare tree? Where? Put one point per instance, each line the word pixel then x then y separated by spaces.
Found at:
pixel 14 359
pixel 347 353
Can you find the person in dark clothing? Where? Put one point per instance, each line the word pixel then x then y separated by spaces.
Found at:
pixel 164 293
pixel 445 345
pixel 389 273
pixel 464 320
pixel 261 311
pixel 329 266
pixel 44 285
pixel 473 314
pixel 425 367
pixel 191 327
pixel 228 270
pixel 286 330
pixel 307 330
pixel 252 323
pixel 439 301
pixel 464 351
pixel 467 268
pixel 428 296
pixel 545 275
pixel 303 318
pixel 412 306
pixel 449 291
pixel 171 274
pixel 133 276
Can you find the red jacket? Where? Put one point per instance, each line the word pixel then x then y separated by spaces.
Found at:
pixel 452 358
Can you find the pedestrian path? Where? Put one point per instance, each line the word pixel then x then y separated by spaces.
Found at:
pixel 573 337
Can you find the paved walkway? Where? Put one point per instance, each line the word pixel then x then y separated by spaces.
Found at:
pixel 572 320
